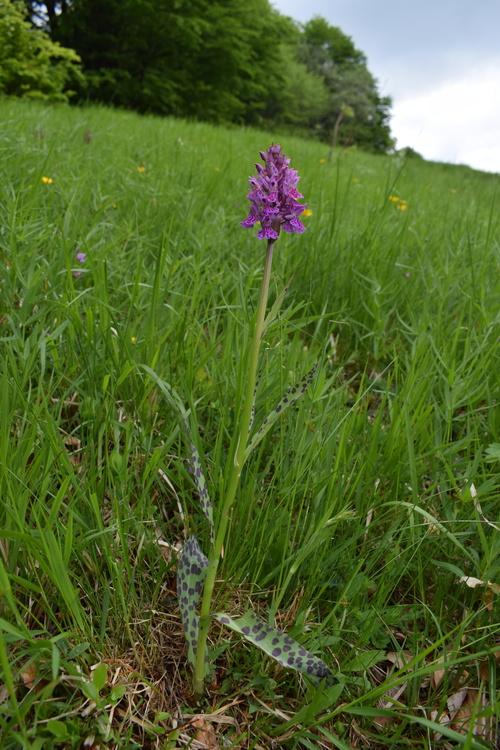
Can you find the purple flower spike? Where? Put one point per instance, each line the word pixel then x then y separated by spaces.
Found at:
pixel 274 197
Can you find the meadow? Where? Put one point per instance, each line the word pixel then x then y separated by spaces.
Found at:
pixel 367 522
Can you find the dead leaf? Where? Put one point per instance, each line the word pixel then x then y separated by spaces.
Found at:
pixel 432 528
pixel 455 701
pixel 438 674
pixel 70 441
pixel 471 581
pixel 484 666
pixel 29 675
pixel 392 694
pixel 442 719
pixel 491 589
pixel 488 599
pixel 466 719
pixel 399 658
pixel 205 736
pixel 382 721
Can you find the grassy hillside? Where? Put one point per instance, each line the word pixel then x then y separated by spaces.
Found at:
pixel 359 514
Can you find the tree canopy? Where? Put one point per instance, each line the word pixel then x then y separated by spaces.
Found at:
pixel 31 64
pixel 331 55
pixel 233 61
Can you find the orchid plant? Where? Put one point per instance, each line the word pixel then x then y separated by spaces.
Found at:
pixel 275 205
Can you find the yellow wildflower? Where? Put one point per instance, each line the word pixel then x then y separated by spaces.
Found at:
pixel 47 180
pixel 453 190
pixel 394 198
pixel 402 206
pixel 306 212
pixel 322 161
pixel 355 179
pixel 217 169
pixel 141 169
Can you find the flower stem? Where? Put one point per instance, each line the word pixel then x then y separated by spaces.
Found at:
pixel 234 478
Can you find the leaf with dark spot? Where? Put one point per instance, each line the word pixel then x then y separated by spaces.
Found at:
pixel 276 644
pixel 201 486
pixel 191 574
pixel 288 399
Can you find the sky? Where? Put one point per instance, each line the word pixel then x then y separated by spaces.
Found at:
pixel 439 60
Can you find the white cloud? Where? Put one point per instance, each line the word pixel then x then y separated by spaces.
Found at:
pixel 439 62
pixel 456 121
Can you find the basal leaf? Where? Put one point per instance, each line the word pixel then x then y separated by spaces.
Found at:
pixel 288 399
pixel 191 574
pixel 175 402
pixel 201 486
pixel 277 644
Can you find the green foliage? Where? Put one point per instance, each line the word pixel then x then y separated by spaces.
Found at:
pixel 401 419
pixel 331 55
pixel 409 153
pixel 31 64
pixel 206 60
pixel 299 98
pixel 227 61
pixel 323 47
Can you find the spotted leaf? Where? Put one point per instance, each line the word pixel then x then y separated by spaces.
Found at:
pixel 288 399
pixel 191 574
pixel 277 644
pixel 175 402
pixel 252 415
pixel 201 486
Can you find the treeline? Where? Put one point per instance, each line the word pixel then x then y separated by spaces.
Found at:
pixel 224 61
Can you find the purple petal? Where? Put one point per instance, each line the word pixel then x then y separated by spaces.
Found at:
pixel 249 221
pixel 267 233
pixel 294 225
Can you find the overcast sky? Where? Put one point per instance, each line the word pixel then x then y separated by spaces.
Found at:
pixel 439 60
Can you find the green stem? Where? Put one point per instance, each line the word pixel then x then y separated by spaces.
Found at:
pixel 234 478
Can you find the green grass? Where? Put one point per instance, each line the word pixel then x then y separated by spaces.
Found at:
pixel 359 512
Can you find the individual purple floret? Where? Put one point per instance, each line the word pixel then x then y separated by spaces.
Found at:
pixel 81 259
pixel 274 196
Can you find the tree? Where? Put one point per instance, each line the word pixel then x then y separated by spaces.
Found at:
pixel 210 60
pixel 31 64
pixel 305 96
pixel 43 14
pixel 237 61
pixel 329 53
